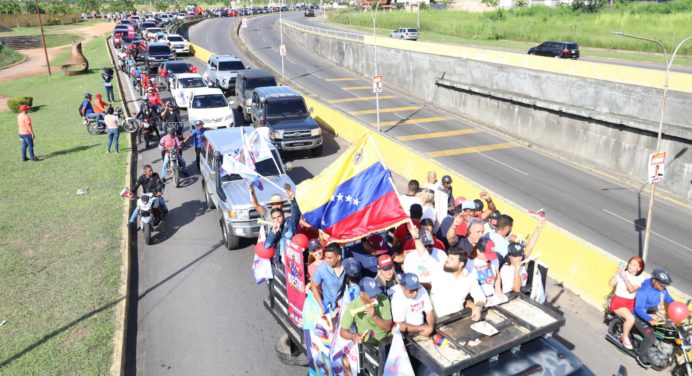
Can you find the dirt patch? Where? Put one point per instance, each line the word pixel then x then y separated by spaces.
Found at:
pixel 3 103
pixel 35 63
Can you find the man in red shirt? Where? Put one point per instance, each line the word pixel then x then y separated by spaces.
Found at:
pixel 26 133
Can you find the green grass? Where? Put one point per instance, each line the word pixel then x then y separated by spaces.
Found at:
pixel 35 30
pixel 9 56
pixel 54 40
pixel 666 22
pixel 59 252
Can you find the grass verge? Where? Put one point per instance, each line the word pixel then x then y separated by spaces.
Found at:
pixel 55 40
pixel 9 56
pixel 35 30
pixel 60 258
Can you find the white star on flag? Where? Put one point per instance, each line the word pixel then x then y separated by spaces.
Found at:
pixel 340 197
pixel 349 198
pixel 332 199
pixel 356 202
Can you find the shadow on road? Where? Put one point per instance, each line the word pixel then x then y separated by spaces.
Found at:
pixel 179 217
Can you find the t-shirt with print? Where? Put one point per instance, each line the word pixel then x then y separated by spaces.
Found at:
pixel 424 266
pixel 364 322
pixel 485 273
pixel 507 277
pixel 410 311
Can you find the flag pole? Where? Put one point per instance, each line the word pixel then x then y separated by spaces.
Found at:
pixel 391 181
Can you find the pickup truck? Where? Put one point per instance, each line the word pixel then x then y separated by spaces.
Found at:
pixel 222 71
pixel 210 106
pixel 229 193
pixel 291 127
pixel 523 344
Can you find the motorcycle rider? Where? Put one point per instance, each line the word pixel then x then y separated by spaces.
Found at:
pixel 650 298
pixel 149 112
pixel 171 115
pixel 170 141
pixel 153 97
pixel 87 109
pixel 150 183
pixel 135 73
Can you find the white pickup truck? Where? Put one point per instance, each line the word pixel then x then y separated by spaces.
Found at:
pixel 211 106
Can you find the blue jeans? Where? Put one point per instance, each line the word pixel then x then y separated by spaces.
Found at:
pixel 159 201
pixel 164 171
pixel 113 135
pixel 110 94
pixel 27 142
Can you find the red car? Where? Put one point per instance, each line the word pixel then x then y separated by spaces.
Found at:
pixel 233 13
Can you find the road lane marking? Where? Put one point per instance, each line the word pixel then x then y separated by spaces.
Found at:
pixel 385 110
pixel 340 79
pixel 643 228
pixel 411 121
pixel 357 87
pixel 360 99
pixel 471 149
pixel 424 136
pixel 504 164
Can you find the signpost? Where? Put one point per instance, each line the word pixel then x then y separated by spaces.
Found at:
pixel 656 167
pixel 377 89
pixel 282 50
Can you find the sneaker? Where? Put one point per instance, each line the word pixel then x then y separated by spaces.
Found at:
pixel 35 159
pixel 644 362
pixel 25 159
pixel 626 342
pixel 108 151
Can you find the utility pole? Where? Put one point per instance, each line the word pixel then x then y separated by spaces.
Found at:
pixel 43 37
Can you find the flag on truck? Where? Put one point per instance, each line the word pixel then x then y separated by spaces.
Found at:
pixel 353 197
pixel 257 143
pixel 234 163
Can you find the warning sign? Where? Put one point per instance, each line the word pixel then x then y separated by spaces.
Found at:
pixel 376 84
pixel 656 167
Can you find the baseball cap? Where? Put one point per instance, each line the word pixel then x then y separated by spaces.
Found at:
pixel 376 241
pixel 385 262
pixel 427 238
pixel 410 281
pixel 352 267
pixel 468 204
pixel 23 107
pixel 459 200
pixel 487 246
pixel 515 249
pixel 314 244
pixel 370 286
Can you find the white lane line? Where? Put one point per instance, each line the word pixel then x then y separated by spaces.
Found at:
pixel 504 164
pixel 653 232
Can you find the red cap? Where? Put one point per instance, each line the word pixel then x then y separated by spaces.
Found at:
pixel 376 241
pixel 462 229
pixel 459 200
pixel 23 107
pixel 488 247
pixel 385 262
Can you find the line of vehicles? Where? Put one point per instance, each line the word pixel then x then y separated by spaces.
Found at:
pixel 235 12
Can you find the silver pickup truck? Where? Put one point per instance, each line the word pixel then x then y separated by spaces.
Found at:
pixel 229 192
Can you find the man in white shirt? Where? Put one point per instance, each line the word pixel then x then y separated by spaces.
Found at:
pixel 513 274
pixel 499 236
pixel 411 307
pixel 410 197
pixel 422 262
pixel 452 284
pixel 432 183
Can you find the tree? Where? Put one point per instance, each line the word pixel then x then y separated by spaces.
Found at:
pixel 88 5
pixel 11 7
pixel 489 3
pixel 161 6
pixel 58 8
pixel 122 6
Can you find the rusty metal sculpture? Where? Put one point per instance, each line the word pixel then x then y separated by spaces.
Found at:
pixel 77 63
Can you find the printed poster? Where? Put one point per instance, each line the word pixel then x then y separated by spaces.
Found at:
pixel 295 282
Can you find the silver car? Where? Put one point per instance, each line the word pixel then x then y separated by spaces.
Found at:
pixel 404 33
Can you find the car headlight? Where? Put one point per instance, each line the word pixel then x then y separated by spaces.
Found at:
pixel 248 102
pixel 316 132
pixel 276 135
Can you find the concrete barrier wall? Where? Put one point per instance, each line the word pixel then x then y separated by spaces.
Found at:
pixel 610 124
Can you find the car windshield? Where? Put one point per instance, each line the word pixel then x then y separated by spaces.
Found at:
pixel 159 50
pixel 254 83
pixel 178 68
pixel 121 28
pixel 266 167
pixel 231 65
pixel 155 30
pixel 146 25
pixel 174 38
pixel 286 108
pixel 209 101
pixel 191 82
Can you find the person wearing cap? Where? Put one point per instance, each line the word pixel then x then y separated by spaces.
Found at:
pixel 367 319
pixel 650 298
pixel 366 251
pixel 153 97
pixel 491 224
pixel 446 187
pixel 461 223
pixel 513 274
pixel 171 142
pixel 411 307
pixel 424 261
pixel 315 257
pixel 282 231
pixel 107 77
pixel 432 182
pixel 411 196
pixel 171 114
pixel 386 274
pixel 483 260
pixel 401 233
pixel 26 132
pixel 329 278
pixel 353 271
pixel 453 284
pixel 425 224
pixel 196 136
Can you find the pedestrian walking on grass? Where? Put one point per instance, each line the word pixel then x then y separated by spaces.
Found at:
pixel 113 130
pixel 26 133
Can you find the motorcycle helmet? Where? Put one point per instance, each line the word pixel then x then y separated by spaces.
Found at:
pixel 662 276
pixel 199 122
pixel 447 179
pixel 170 130
pixel 479 204
pixel 87 96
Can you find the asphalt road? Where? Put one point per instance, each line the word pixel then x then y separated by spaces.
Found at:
pixel 319 22
pixel 583 333
pixel 594 206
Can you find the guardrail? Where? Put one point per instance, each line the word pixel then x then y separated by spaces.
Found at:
pixel 346 35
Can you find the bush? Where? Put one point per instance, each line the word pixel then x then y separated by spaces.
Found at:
pixel 14 103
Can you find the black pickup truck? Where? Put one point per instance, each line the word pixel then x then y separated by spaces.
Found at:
pixel 522 346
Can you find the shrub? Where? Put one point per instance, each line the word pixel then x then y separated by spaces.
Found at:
pixel 14 103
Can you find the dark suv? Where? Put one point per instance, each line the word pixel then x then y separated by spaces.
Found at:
pixel 156 54
pixel 565 50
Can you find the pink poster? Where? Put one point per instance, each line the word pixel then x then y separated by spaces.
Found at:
pixel 295 282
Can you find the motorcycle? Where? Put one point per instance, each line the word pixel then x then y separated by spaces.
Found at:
pixel 138 85
pixel 144 132
pixel 149 215
pixel 672 349
pixel 95 125
pixel 173 166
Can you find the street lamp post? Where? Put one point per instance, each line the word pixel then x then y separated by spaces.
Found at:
pixel 374 36
pixel 282 48
pixel 669 63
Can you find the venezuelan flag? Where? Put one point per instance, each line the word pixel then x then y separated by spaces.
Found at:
pixel 353 197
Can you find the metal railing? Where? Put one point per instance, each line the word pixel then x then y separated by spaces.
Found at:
pixel 346 35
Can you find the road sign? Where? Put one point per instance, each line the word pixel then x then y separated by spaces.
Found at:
pixel 244 23
pixel 376 84
pixel 282 50
pixel 656 167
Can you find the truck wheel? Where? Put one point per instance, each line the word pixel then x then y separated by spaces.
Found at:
pixel 207 198
pixel 316 152
pixel 230 241
pixel 286 356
